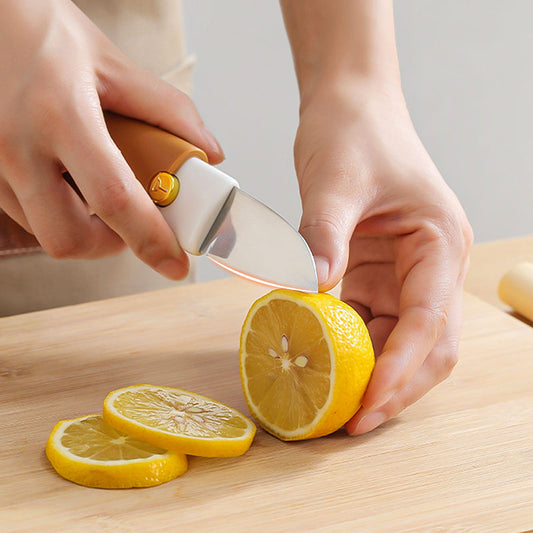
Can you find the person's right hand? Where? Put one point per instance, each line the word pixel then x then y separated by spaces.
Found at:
pixel 58 73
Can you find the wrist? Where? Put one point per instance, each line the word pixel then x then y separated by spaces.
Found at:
pixel 332 73
pixel 346 48
pixel 351 91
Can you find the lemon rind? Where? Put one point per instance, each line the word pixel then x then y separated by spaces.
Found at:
pixel 120 474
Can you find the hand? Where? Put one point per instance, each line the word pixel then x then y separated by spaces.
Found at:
pixel 58 73
pixel 378 215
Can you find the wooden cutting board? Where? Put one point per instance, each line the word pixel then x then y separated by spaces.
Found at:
pixel 461 459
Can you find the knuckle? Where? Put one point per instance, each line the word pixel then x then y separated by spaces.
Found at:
pixel 149 251
pixel 397 403
pixel 431 318
pixel 443 227
pixel 443 361
pixel 112 198
pixel 181 98
pixel 155 250
pixel 324 223
pixel 402 382
pixel 445 221
pixel 447 361
pixel 321 220
pixel 457 230
pixel 65 247
pixel 439 317
pixel 163 90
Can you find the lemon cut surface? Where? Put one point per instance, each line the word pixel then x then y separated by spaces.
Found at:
pixel 89 452
pixel 179 420
pixel 305 363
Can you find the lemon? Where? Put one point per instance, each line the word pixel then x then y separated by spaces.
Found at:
pixel 179 420
pixel 89 452
pixel 305 362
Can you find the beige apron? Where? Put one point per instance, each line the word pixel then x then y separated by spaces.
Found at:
pixel 149 32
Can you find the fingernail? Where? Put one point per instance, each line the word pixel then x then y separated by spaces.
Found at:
pixel 322 269
pixel 171 268
pixel 212 142
pixel 369 422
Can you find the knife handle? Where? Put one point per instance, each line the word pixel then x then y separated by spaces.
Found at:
pixel 147 149
pixel 161 160
pixel 516 289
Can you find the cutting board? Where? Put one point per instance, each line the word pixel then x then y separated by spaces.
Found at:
pixel 460 459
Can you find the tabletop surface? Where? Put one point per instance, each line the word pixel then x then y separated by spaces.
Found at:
pixel 460 459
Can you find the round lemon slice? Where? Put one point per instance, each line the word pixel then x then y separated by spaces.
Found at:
pixel 179 420
pixel 305 362
pixel 89 452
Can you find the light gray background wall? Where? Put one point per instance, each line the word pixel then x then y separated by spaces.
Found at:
pixel 467 74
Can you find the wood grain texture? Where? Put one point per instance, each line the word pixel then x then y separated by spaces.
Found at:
pixel 461 459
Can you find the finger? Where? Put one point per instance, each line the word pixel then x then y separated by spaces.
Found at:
pixel 115 195
pixel 435 369
pixel 59 219
pixel 327 225
pixel 375 285
pixel 379 329
pixel 362 310
pixel 371 249
pixel 131 91
pixel 424 305
pixel 11 206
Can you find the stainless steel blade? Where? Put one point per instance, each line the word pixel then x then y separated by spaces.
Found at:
pixel 251 240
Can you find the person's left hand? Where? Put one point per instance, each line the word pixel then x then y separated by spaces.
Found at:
pixel 378 215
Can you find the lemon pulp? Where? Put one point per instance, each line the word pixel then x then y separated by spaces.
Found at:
pixel 93 439
pixel 288 364
pixel 179 420
pixel 89 452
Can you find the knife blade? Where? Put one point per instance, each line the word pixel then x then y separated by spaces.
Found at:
pixel 209 213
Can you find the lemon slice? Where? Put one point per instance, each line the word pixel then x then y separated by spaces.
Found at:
pixel 305 362
pixel 179 420
pixel 89 452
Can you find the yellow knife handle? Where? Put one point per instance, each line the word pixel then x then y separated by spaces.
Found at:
pixel 149 150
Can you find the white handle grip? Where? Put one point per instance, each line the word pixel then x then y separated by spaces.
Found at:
pixel 516 289
pixel 202 193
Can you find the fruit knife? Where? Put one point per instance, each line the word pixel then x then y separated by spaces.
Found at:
pixel 209 213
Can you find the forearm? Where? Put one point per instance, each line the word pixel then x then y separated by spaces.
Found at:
pixel 341 42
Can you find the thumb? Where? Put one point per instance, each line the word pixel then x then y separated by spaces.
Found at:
pixel 327 224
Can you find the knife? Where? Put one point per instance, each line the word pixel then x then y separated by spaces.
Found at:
pixel 209 213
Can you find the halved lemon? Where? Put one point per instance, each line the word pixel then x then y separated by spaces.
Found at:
pixel 305 362
pixel 89 452
pixel 179 420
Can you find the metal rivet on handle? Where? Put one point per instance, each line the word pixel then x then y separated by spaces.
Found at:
pixel 163 188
